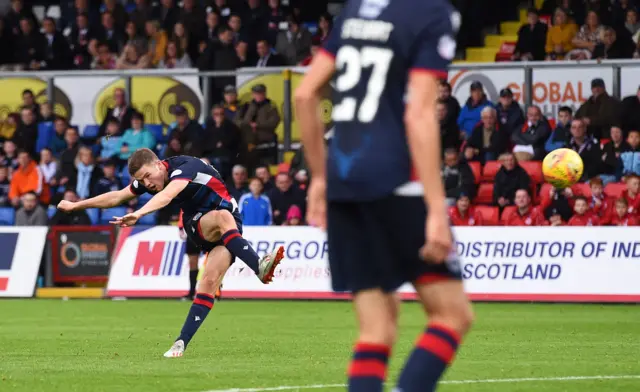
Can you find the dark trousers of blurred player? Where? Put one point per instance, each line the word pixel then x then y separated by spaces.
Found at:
pixel 443 298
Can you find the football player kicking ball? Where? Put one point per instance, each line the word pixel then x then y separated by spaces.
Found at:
pixel 210 217
pixel 387 56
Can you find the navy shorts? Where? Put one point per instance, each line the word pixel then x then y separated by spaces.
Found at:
pixel 376 244
pixel 192 228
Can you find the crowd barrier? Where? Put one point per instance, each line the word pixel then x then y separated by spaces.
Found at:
pixel 540 264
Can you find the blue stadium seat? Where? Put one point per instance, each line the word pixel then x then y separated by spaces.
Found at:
pixel 51 211
pixel 158 132
pixel 7 216
pixel 148 220
pixel 94 215
pixel 144 198
pixel 90 131
pixel 109 213
pixel 45 133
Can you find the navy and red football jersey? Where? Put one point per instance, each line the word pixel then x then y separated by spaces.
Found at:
pixel 376 44
pixel 205 192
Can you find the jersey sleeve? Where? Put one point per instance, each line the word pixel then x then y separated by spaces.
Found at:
pixel 435 45
pixel 137 188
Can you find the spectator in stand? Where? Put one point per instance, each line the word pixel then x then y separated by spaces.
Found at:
pixel 275 18
pixel 30 46
pixel 631 195
pixel 46 113
pixel 133 57
pixel 509 178
pixel 76 217
pixel 57 53
pixel 238 184
pixel 9 158
pixel 87 173
pixel 560 136
pixel 104 58
pixel 258 121
pixel 532 38
pixel 27 178
pixel 220 56
pixel 294 217
pixel 109 182
pixel 525 214
pixel 186 137
pixel 560 36
pixel 620 216
pixel 75 8
pixel 221 141
pixel 79 38
pixel 283 196
pixel 15 14
pixel 298 169
pixel 31 213
pixel 168 14
pixel 589 150
pixel 509 112
pixel 242 50
pixel 8 126
pixel 111 143
pixel 449 133
pixel 631 157
pixel 582 215
pixel 141 14
pixel 135 138
pixel 7 43
pixel 600 112
pixel 4 186
pixel 599 204
pixel 192 15
pixel 589 35
pixel 68 156
pixel 611 47
pixel 470 113
pixel 116 9
pixel 463 214
pixel 619 11
pixel 295 43
pixel 174 58
pixel 325 25
pixel 26 133
pixel 255 16
pixel 530 140
pixel 237 31
pixel 48 166
pixel 263 173
pixel 557 207
pixel 487 141
pixel 457 177
pixel 453 107
pixel 230 102
pixel 110 34
pixel 630 112
pixel 157 42
pixel 611 162
pixel 181 37
pixel 631 23
pixel 133 37
pixel 266 57
pixel 213 23
pixel 255 207
pixel 121 112
pixel 29 102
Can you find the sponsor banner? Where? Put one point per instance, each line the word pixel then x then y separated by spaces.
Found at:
pixel 82 253
pixel 552 87
pixel 85 100
pixel 578 264
pixel 20 256
pixel 629 80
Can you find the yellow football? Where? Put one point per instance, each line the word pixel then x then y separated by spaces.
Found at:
pixel 562 168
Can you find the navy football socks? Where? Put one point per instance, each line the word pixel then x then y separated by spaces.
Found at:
pixel 368 368
pixel 434 351
pixel 240 248
pixel 200 308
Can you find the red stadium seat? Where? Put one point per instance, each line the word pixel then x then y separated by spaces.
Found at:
pixel 543 195
pixel 582 189
pixel 489 170
pixel 506 212
pixel 546 19
pixel 615 189
pixel 506 51
pixel 534 169
pixel 490 215
pixel 485 194
pixel 476 168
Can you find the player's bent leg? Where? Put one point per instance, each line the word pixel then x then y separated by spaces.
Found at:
pixel 377 320
pixel 221 225
pixel 218 262
pixel 450 318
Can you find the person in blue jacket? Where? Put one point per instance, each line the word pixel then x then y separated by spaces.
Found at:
pixel 255 207
pixel 560 136
pixel 470 113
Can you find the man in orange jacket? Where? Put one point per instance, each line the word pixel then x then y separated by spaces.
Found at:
pixel 28 178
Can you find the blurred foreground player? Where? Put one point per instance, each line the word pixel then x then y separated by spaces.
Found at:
pixel 211 220
pixel 387 57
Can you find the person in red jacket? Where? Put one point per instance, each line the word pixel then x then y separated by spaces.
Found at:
pixel 631 194
pixel 463 214
pixel 583 216
pixel 525 214
pixel 621 215
pixel 599 204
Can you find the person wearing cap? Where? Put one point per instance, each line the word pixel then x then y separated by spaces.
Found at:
pixel 186 137
pixel 294 216
pixel 509 112
pixel 463 213
pixel 630 112
pixel 258 120
pixel 532 38
pixel 470 112
pixel 109 181
pixel 600 112
pixel 230 102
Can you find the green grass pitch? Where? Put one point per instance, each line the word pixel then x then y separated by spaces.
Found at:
pixel 113 346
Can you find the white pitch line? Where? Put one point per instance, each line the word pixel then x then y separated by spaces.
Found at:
pixel 454 382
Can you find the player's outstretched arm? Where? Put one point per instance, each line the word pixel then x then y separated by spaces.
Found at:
pixel 106 200
pixel 158 201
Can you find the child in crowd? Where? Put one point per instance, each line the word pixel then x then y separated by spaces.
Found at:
pixel 599 204
pixel 582 216
pixel 110 144
pixel 462 214
pixel 255 207
pixel 631 194
pixel 48 166
pixel 294 216
pixel 621 216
